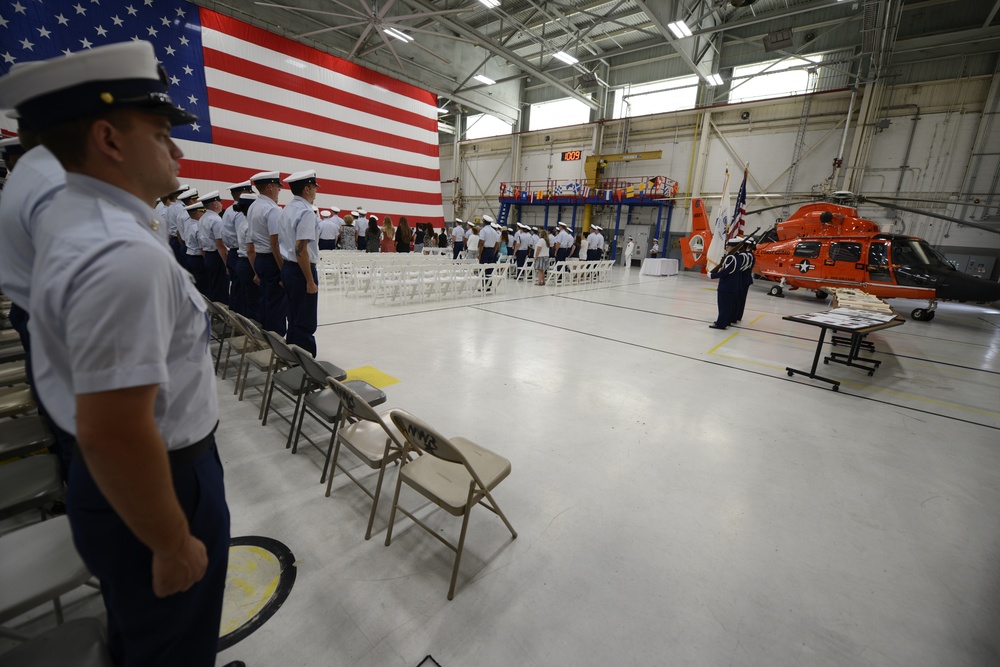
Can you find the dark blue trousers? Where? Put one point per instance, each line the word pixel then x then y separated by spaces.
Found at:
pixel 562 254
pixel 457 247
pixel 273 305
pixel 178 249
pixel 520 256
pixel 327 244
pixel 180 629
pixel 301 307
pixel 216 280
pixel 235 297
pixel 593 255
pixel 249 291
pixel 196 265
pixel 63 447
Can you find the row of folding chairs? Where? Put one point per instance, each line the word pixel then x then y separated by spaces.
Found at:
pixel 569 272
pixel 438 281
pixel 39 563
pixel 350 270
pixel 455 474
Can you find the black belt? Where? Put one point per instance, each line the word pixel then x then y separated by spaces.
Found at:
pixel 179 458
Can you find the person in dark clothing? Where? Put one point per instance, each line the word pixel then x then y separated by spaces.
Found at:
pixel 730 284
pixel 403 236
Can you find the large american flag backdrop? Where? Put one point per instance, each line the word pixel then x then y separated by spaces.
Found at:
pixel 264 102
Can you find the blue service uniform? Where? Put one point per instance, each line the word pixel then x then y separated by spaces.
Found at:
pixel 747 262
pixel 194 259
pixel 229 240
pixel 216 278
pixel 173 215
pixel 301 224
pixel 595 247
pixel 565 241
pixel 265 219
pixel 490 238
pixel 111 311
pixel 523 241
pixel 730 284
pixel 458 241
pixel 27 194
pixel 248 298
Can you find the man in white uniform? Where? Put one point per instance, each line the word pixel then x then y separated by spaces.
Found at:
pixel 265 225
pixel 299 270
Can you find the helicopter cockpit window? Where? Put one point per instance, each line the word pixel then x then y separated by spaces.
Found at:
pixel 845 252
pixel 807 249
pixel 916 252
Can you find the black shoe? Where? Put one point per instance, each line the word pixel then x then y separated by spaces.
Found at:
pixel 235 663
pixel 715 326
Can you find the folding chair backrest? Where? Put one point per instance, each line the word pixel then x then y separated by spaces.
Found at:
pixel 352 401
pixel 425 438
pixel 316 373
pixel 281 349
pixel 250 328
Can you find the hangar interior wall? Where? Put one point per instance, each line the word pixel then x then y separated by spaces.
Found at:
pixel 923 142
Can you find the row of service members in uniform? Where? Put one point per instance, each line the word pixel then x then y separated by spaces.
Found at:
pixel 735 276
pixel 524 240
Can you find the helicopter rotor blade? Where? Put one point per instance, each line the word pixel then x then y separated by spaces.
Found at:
pixel 940 216
pixel 937 201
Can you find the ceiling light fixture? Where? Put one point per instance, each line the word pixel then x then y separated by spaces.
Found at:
pixel 714 80
pixel 443 110
pixel 482 78
pixel 492 4
pixel 680 29
pixel 566 58
pixel 398 34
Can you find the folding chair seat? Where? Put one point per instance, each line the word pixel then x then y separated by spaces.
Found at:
pixel 372 438
pixel 22 436
pixel 39 564
pixel 9 336
pixel 243 341
pixel 11 352
pixel 294 383
pixel 453 473
pixel 79 643
pixel 29 483
pixel 325 406
pixel 16 401
pixel 13 373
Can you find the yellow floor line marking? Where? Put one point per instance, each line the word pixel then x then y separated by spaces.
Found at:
pixel 372 376
pixel 712 351
pixel 756 320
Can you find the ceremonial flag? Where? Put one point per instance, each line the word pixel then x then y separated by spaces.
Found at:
pixel 737 227
pixel 718 246
pixel 264 102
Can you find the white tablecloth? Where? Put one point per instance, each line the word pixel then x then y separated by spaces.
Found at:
pixel 659 267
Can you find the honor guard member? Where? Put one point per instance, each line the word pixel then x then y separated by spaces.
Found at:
pixel 216 251
pixel 248 298
pixel 361 222
pixel 299 271
pixel 654 252
pixel 730 284
pixel 121 350
pixel 193 243
pixel 595 244
pixel 457 239
pixel 229 238
pixel 489 241
pixel 563 242
pixel 29 190
pixel 747 262
pixel 265 224
pixel 522 241
pixel 629 250
pixel 329 228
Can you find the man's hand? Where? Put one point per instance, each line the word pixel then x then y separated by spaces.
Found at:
pixel 312 288
pixel 256 279
pixel 179 571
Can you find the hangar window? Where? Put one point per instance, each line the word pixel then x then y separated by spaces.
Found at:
pixel 845 252
pixel 558 113
pixel 807 249
pixel 484 125
pixel 774 78
pixel 657 97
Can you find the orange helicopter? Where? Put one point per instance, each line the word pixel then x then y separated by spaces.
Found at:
pixel 826 245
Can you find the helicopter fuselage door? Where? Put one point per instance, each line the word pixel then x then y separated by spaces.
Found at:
pixel 878 262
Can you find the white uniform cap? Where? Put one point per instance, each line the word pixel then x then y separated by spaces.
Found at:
pixel 736 240
pixel 355 214
pixel 309 176
pixel 488 218
pixel 325 214
pixel 495 225
pixel 211 197
pixel 183 188
pixel 335 209
pixel 238 186
pixel 459 220
pixel 362 211
pixel 561 224
pixel 187 194
pixel 248 196
pixel 265 177
pixel 66 88
pixel 373 217
pixel 195 206
pixel 316 210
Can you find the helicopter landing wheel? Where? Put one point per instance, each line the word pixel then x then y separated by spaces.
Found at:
pixel 776 291
pixel 922 314
pixel 836 387
pixel 821 295
pixel 790 374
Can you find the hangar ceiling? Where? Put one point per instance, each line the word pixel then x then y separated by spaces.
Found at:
pixel 443 45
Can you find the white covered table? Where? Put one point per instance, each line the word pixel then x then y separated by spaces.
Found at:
pixel 659 267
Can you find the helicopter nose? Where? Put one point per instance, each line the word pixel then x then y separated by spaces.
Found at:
pixel 961 287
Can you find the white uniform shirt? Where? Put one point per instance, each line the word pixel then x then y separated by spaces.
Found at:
pixel 174 215
pixel 564 239
pixel 242 234
pixel 523 240
pixel 361 224
pixel 113 310
pixel 300 221
pixel 327 229
pixel 458 234
pixel 211 227
pixel 229 227
pixel 265 219
pixel 338 222
pixel 489 236
pixel 30 188
pixel 192 234
pixel 534 241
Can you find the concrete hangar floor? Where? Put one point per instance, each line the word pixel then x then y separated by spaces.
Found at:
pixel 679 500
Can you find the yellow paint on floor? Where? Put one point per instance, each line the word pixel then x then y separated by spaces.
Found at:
pixel 712 351
pixel 251 579
pixel 756 320
pixel 372 376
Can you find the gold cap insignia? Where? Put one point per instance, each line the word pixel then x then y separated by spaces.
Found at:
pixel 107 98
